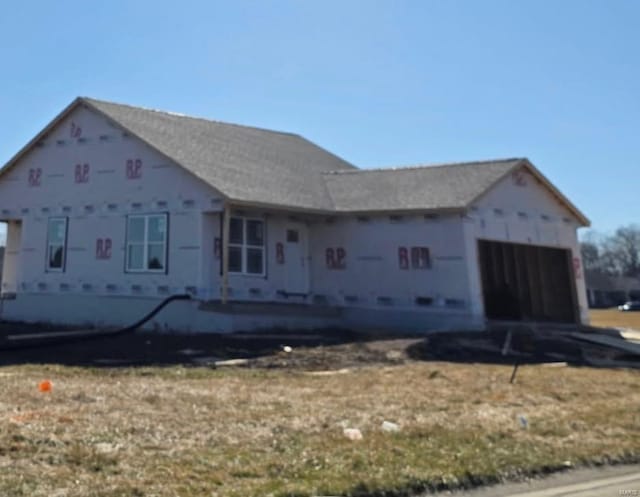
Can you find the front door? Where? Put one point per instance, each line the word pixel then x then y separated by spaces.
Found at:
pixel 296 258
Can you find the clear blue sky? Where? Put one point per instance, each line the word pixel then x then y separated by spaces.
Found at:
pixel 378 83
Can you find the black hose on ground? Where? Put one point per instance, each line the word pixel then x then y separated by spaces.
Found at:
pixel 159 307
pixel 29 341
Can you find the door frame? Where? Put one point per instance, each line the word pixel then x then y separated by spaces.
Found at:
pixel 304 247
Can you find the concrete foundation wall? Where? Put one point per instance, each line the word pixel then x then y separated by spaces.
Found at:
pixel 189 317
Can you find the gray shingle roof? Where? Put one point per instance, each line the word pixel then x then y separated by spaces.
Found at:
pixel 245 164
pixel 268 167
pixel 283 170
pixel 449 186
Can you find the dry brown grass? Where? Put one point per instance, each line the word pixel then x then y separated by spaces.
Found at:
pixel 194 432
pixel 615 318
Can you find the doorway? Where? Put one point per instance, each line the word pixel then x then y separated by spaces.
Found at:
pixel 11 257
pixel 527 282
pixel 296 252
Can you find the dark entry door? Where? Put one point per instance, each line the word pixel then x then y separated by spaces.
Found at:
pixel 527 282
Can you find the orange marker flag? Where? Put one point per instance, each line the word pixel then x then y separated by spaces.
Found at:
pixel 45 386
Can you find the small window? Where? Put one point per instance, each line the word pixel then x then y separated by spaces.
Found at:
pixel 146 243
pixel 246 246
pixel 523 215
pixel 292 236
pixel 498 212
pixel 420 258
pixel 56 244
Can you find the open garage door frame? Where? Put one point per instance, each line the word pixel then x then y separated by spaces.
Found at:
pixel 527 282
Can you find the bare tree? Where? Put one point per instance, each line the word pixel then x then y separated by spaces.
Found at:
pixel 590 253
pixel 599 255
pixel 624 248
pixel 609 258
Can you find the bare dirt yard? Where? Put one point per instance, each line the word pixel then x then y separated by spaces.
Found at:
pixel 148 416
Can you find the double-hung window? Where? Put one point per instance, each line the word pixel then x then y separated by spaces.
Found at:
pixel 56 244
pixel 146 243
pixel 246 246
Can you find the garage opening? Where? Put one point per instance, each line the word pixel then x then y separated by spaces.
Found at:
pixel 527 282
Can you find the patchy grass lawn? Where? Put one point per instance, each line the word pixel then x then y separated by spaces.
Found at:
pixel 251 432
pixel 615 318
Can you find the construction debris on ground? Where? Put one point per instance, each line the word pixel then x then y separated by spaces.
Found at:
pixel 338 351
pixel 523 343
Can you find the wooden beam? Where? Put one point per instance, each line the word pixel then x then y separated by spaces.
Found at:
pixel 226 224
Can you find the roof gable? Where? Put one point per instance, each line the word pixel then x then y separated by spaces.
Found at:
pixel 84 159
pixel 524 165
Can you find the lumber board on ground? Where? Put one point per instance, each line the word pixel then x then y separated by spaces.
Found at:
pixel 616 343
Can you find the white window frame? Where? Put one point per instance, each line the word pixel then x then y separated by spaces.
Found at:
pixel 48 267
pixel 244 246
pixel 146 243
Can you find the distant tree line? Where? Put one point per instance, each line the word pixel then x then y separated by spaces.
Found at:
pixel 614 255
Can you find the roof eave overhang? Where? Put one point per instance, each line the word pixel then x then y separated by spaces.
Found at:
pixel 403 211
pixel 342 212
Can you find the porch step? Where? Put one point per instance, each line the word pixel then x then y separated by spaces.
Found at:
pixel 271 308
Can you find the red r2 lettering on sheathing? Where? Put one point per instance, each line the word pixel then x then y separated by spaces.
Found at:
pixel 81 173
pixel 103 248
pixel 403 258
pixel 280 253
pixel 577 267
pixel 35 176
pixel 134 168
pixel 75 131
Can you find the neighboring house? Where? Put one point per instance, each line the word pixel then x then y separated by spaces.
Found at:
pixel 605 290
pixel 112 208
